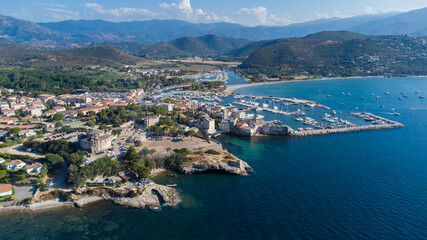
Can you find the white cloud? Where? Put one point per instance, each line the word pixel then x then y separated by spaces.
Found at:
pixel 182 9
pixel 259 15
pixel 334 14
pixel 118 12
pixel 61 14
pixel 368 10
pixel 54 5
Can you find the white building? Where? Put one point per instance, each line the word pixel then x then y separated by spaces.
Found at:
pixel 34 168
pixel 15 165
pixel 151 120
pixel 208 125
pixel 168 106
pixel 224 126
pixel 27 133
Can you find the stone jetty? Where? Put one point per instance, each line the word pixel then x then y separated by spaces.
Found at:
pixel 387 124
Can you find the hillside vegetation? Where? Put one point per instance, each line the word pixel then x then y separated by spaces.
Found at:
pixel 26 56
pixel 340 54
pixel 209 45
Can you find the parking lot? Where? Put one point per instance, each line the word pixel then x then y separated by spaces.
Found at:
pixel 70 136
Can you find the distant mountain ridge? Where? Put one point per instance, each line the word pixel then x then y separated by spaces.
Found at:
pixel 28 56
pixel 208 45
pixel 78 33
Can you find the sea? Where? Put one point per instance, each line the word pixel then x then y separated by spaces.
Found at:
pixel 358 185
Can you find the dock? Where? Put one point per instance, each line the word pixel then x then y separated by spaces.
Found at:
pixel 388 124
pixel 253 107
pixel 294 100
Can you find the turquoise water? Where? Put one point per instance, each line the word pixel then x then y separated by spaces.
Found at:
pixel 362 185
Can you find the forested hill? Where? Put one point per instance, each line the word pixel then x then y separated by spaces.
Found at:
pixel 208 45
pixel 26 56
pixel 333 54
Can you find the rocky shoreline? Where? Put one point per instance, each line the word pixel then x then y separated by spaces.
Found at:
pixel 149 196
pixel 223 162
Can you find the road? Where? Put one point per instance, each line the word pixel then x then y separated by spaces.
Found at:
pixel 17 150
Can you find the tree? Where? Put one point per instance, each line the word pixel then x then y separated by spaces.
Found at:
pixel 155 129
pixel 141 170
pixel 14 131
pixel 42 187
pixel 3 173
pixel 138 143
pixel 54 161
pixel 190 133
pixel 103 127
pixel 131 157
pixel 131 194
pixel 116 132
pixel 58 117
pixel 90 123
pixel 75 159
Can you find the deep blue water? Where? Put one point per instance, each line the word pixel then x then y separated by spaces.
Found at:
pixel 362 185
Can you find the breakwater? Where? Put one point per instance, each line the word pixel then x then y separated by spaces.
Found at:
pixel 386 124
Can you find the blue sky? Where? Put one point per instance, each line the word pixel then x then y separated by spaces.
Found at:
pixel 246 12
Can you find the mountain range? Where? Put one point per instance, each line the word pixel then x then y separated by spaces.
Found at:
pixel 78 33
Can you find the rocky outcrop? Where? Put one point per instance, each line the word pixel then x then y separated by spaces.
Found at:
pixel 146 198
pixel 224 162
pixel 83 201
pixel 137 202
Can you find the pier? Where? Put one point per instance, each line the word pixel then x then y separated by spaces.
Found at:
pixel 253 107
pixel 293 100
pixel 387 124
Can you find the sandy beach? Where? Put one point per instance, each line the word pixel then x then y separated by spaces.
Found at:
pixel 231 88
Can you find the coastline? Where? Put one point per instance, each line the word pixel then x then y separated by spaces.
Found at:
pixel 157 171
pixel 231 88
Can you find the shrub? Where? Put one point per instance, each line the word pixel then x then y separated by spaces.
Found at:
pixel 213 152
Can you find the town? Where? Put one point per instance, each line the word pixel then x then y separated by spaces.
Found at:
pixel 71 149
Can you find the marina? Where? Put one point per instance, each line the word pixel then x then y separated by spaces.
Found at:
pixel 385 124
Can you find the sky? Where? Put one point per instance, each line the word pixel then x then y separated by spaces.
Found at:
pixel 245 12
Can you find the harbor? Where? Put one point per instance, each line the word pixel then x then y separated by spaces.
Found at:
pixel 385 124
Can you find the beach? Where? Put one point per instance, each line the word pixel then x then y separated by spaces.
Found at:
pixel 231 88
